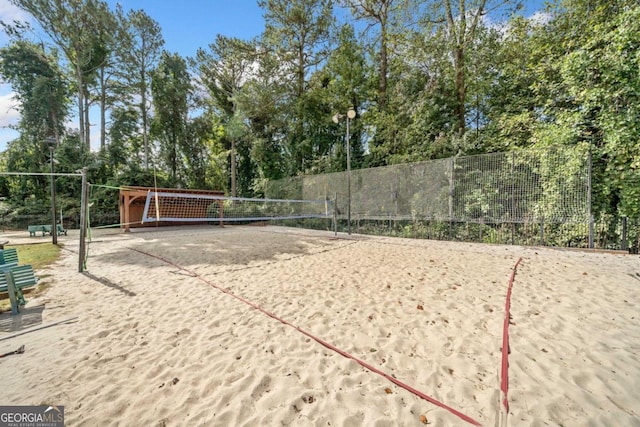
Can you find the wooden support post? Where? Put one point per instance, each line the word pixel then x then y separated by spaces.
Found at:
pixel 11 289
pixel 221 210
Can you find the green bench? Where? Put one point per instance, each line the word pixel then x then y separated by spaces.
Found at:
pixel 45 229
pixel 13 279
pixel 9 256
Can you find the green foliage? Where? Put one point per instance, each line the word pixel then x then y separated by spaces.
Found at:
pixel 298 34
pixel 40 88
pixel 171 88
pixel 75 27
pixel 427 81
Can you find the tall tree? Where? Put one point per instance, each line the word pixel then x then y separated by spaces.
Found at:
pixel 263 102
pixel 105 70
pixel 42 95
pixel 418 121
pixel 171 88
pixel 39 87
pixel 223 70
pixel 382 14
pixel 125 140
pixel 72 25
pixel 601 75
pixel 462 19
pixel 204 154
pixel 139 49
pixel 297 33
pixel 344 85
pixel 515 99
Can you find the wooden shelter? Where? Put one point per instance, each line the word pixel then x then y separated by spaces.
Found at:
pixel 132 201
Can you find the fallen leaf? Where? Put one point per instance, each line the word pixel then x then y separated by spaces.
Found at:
pixel 388 390
pixel 423 419
pixel 420 307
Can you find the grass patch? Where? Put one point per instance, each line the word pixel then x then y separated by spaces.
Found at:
pixel 38 255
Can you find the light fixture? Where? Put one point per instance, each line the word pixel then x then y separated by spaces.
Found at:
pixel 351 114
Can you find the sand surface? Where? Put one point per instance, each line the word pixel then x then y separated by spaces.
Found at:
pixel 160 339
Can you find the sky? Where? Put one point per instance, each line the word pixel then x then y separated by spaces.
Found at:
pixel 186 26
pixel 190 24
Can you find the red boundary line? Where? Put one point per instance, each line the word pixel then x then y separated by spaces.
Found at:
pixel 321 341
pixel 504 381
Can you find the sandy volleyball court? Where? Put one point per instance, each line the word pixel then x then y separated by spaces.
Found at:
pixel 159 340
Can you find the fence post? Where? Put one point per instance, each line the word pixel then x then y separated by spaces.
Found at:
pixel 623 239
pixel 542 232
pixel 335 213
pixel 590 189
pixel 511 196
pixel 451 189
pixel 83 221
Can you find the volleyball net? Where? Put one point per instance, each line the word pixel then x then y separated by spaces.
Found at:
pixel 183 207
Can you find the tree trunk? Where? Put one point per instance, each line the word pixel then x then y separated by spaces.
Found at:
pixel 103 111
pixel 145 122
pixel 233 168
pixel 81 116
pixel 461 90
pixel 87 123
pixel 382 88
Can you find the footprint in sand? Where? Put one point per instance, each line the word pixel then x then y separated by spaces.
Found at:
pixel 264 386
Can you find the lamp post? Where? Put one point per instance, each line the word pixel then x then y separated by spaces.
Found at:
pixel 52 142
pixel 351 114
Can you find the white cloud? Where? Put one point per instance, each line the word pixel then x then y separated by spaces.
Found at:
pixel 94 127
pixel 9 114
pixel 95 138
pixel 538 18
pixel 541 18
pixel 9 12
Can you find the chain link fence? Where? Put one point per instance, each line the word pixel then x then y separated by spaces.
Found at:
pixel 527 197
pixel 13 222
